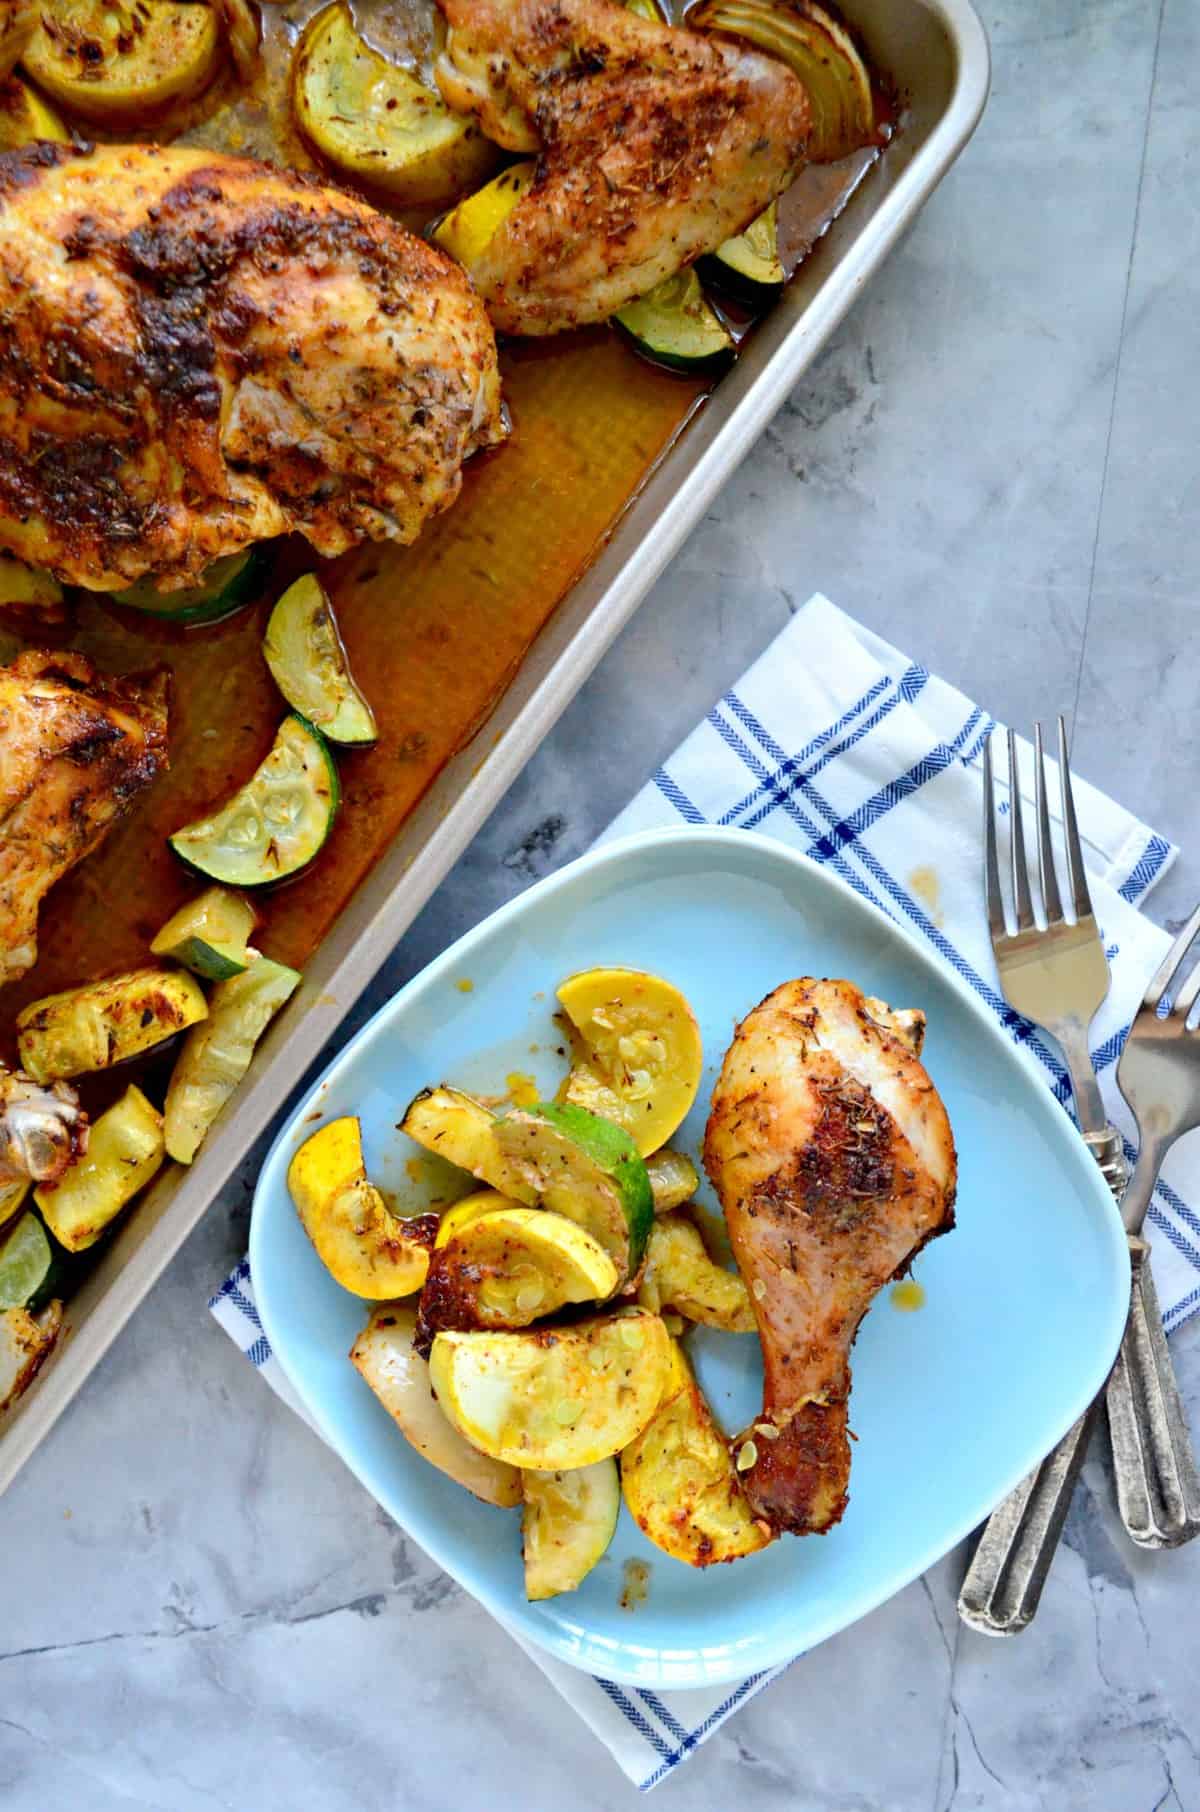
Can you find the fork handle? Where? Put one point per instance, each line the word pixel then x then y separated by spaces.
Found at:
pixel 1003 1584
pixel 1158 1487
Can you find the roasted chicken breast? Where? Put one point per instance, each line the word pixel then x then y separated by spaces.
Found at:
pixel 833 1158
pixel 656 144
pixel 76 749
pixel 200 351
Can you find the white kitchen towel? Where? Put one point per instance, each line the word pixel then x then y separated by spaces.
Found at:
pixel 839 745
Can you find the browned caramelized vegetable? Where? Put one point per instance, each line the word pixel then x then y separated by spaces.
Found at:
pixel 121 60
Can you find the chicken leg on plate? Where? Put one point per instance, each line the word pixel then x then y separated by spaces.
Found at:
pixel 76 749
pixel 833 1158
pixel 43 1130
pixel 200 351
pixel 656 144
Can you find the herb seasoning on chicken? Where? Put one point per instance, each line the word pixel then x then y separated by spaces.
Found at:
pixel 833 1158
pixel 199 351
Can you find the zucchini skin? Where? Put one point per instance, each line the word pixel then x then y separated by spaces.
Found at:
pixel 232 593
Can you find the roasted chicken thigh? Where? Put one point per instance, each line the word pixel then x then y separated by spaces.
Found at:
pixel 76 749
pixel 833 1158
pixel 200 351
pixel 656 144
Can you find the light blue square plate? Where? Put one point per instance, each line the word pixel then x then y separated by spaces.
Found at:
pixel 952 1405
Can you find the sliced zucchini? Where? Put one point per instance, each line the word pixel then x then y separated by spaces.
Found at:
pixel 461 1130
pixel 467 1209
pixel 674 1179
pixel 818 47
pixel 749 266
pixel 376 122
pixel 680 1275
pixel 371 1252
pixel 645 9
pixel 124 1151
pixel 569 1520
pixel 217 1053
pixel 510 1268
pixel 25 587
pixel 116 61
pixel 105 1022
pixel 384 1356
pixel 674 326
pixel 469 229
pixel 587 1169
pixel 26 1260
pixel 308 663
pixel 680 1482
pixel 26 1342
pixel 209 934
pixel 229 584
pixel 277 822
pixel 553 1398
pixel 641 1054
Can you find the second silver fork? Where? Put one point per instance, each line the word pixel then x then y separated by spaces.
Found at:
pixel 1058 977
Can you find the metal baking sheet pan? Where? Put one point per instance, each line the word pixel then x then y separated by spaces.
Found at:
pixel 934 53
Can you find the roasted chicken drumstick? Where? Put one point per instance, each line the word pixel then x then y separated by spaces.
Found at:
pixel 198 352
pixel 656 144
pixel 76 749
pixel 43 1130
pixel 833 1158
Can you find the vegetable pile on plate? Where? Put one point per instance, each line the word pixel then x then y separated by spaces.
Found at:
pixel 528 1341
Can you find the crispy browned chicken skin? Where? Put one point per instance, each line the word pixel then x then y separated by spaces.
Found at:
pixel 199 351
pixel 656 145
pixel 833 1158
pixel 43 1130
pixel 76 749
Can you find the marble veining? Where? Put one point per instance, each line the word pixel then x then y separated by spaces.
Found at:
pixel 995 464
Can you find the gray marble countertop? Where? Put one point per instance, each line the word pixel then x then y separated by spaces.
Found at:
pixel 995 464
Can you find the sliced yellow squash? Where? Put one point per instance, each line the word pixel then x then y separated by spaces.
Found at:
pixel 125 1149
pixel 512 1267
pixel 680 1275
pixel 24 118
pixel 462 1130
pixel 680 1482
pixel 467 1209
pixel 553 1398
pixel 104 1022
pixel 120 60
pixel 383 1354
pixel 469 229
pixel 216 1054
pixel 638 1056
pixel 674 1179
pixel 371 1252
pixel 569 1520
pixel 377 122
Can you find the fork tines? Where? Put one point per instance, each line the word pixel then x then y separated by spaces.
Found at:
pixel 1077 886
pixel 1167 970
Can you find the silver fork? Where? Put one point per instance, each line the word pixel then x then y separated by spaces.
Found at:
pixel 1057 976
pixel 1158 1489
